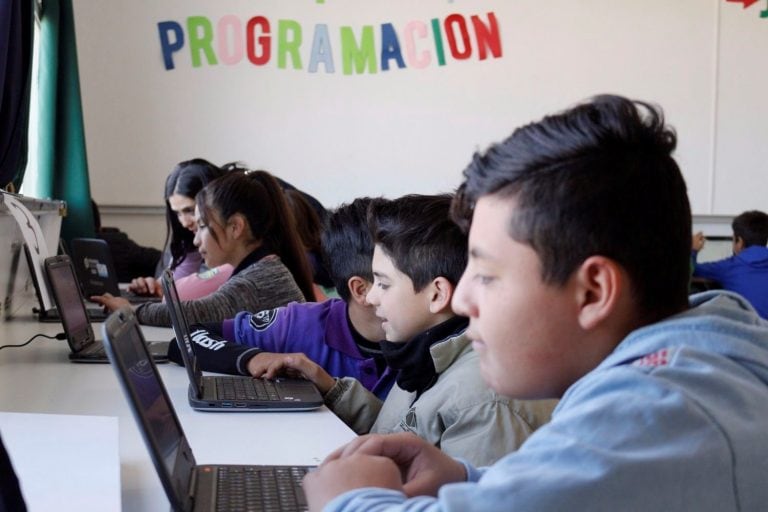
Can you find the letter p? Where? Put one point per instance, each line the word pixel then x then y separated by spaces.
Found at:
pixel 165 28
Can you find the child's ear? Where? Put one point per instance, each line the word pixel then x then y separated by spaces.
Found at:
pixel 440 294
pixel 358 289
pixel 238 225
pixel 600 282
pixel 738 244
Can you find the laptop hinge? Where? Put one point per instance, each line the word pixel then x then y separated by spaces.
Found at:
pixel 190 497
pixel 200 388
pixel 192 483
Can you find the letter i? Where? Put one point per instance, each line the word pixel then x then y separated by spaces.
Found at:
pixel 438 41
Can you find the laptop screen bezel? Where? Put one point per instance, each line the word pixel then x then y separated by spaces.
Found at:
pixel 181 329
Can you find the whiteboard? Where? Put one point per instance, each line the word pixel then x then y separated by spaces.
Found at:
pixel 741 153
pixel 411 129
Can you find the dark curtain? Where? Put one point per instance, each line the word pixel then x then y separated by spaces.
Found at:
pixel 16 29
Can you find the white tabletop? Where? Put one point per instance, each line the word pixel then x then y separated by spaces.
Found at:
pixel 60 459
pixel 39 378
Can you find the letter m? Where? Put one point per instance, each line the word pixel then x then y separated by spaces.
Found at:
pixel 356 58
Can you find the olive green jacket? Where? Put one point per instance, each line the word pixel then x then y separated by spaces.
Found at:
pixel 459 414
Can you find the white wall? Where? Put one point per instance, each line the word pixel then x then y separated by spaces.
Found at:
pixel 740 179
pixel 340 136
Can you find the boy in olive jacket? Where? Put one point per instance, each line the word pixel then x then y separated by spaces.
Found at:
pixel 439 394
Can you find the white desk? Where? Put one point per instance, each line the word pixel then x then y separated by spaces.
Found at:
pixel 57 470
pixel 39 378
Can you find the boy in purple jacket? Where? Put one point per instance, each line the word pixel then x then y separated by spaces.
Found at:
pixel 342 335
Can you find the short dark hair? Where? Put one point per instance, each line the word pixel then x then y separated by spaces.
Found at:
pixel 186 179
pixel 258 197
pixel 598 179
pixel 417 232
pixel 347 244
pixel 752 227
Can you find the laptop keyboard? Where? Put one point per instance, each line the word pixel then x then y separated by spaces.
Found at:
pixel 238 388
pixel 95 350
pixel 265 488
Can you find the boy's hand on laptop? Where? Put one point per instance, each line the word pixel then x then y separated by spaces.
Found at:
pixel 339 476
pixel 109 301
pixel 424 468
pixel 148 286
pixel 269 365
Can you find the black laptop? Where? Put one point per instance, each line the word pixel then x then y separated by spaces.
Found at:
pixel 233 393
pixel 77 326
pixel 96 270
pixel 189 487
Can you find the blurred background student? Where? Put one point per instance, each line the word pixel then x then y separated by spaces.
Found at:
pixel 181 187
pixel 746 272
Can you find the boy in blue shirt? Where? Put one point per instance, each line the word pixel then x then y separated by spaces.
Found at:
pixel 342 335
pixel 439 395
pixel 746 272
pixel 577 287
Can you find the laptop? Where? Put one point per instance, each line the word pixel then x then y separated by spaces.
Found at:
pixel 189 487
pixel 96 270
pixel 233 393
pixel 51 313
pixel 77 327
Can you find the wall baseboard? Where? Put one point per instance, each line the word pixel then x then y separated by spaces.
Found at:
pixel 122 209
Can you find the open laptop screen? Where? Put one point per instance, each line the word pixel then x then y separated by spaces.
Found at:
pixel 153 404
pixel 63 282
pixel 150 402
pixel 94 265
pixel 181 329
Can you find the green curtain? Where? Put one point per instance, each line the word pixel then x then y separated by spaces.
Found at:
pixel 63 166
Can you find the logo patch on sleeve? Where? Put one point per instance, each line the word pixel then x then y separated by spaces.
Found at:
pixel 409 423
pixel 200 336
pixel 263 319
pixel 660 358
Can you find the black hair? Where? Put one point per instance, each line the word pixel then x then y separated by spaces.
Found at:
pixel 598 179
pixel 310 229
pixel 417 232
pixel 258 197
pixel 187 179
pixel 316 205
pixel 347 244
pixel 752 227
pixel 308 224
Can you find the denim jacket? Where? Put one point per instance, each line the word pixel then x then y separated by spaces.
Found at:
pixel 675 419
